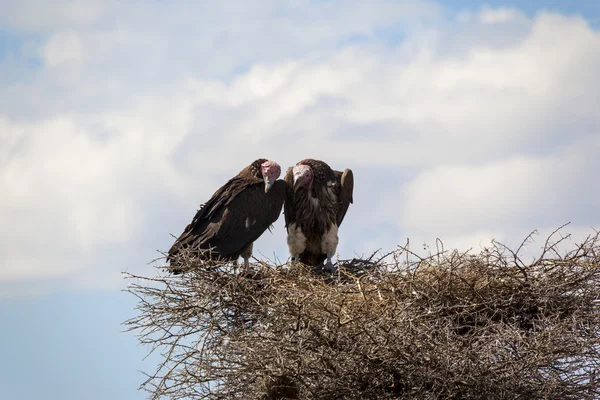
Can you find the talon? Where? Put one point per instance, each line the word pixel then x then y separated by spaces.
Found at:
pixel 329 267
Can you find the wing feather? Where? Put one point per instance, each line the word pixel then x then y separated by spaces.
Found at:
pixel 208 220
pixel 248 215
pixel 223 196
pixel 346 180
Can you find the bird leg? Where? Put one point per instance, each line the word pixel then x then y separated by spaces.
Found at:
pixel 246 254
pixel 329 267
pixel 296 242
pixel 329 243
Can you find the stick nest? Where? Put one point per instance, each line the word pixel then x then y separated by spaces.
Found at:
pixel 448 326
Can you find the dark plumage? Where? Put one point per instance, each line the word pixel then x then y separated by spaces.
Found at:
pixel 317 200
pixel 236 215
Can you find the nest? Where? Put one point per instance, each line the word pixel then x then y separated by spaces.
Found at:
pixel 448 326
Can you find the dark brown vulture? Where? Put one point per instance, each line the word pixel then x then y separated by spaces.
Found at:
pixel 317 200
pixel 236 215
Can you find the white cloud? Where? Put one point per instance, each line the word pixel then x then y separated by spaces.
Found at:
pixel 62 47
pixel 461 198
pixel 469 128
pixel 498 16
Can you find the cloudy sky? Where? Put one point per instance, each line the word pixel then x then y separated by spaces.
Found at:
pixel 461 120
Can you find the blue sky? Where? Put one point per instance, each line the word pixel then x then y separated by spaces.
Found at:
pixel 461 120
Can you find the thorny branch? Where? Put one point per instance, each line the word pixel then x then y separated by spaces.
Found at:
pixel 448 326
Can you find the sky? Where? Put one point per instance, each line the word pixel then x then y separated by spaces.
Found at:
pixel 463 121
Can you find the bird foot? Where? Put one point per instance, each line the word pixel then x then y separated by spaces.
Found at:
pixel 329 267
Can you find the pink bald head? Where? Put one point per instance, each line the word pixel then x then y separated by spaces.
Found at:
pixel 303 176
pixel 270 171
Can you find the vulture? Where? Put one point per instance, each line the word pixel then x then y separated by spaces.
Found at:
pixel 235 216
pixel 316 203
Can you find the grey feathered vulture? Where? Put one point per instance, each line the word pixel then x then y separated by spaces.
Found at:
pixel 314 209
pixel 236 215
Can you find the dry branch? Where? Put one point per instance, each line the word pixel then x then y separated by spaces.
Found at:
pixel 449 326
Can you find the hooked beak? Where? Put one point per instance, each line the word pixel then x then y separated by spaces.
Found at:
pixel 297 183
pixel 268 183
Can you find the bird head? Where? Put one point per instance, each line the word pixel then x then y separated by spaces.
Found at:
pixel 270 171
pixel 303 176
